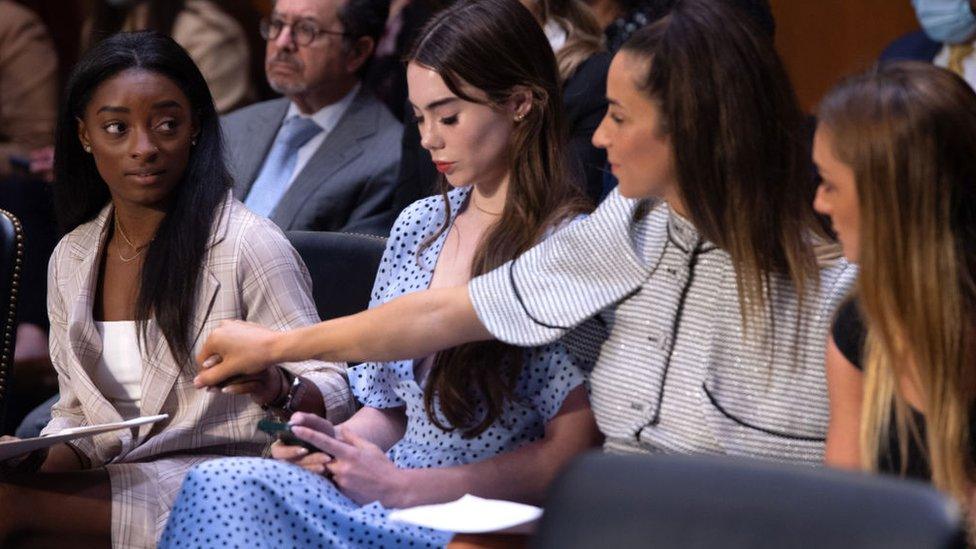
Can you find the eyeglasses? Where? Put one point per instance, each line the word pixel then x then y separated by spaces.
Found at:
pixel 303 31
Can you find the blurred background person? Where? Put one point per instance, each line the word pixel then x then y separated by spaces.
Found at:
pixel 28 109
pixel 215 41
pixel 325 156
pixel 947 38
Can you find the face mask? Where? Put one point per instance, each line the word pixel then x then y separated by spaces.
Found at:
pixel 947 21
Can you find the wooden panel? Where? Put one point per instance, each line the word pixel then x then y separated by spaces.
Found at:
pixel 823 40
pixel 262 6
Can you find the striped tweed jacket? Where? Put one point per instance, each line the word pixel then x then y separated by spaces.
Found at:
pixel 250 272
pixel 676 371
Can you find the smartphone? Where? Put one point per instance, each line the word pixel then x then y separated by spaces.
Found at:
pixel 282 431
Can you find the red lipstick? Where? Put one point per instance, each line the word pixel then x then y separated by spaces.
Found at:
pixel 443 167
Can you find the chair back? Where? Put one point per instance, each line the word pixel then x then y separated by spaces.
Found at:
pixel 610 501
pixel 343 267
pixel 11 261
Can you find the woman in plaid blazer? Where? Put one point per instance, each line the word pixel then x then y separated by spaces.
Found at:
pixel 156 254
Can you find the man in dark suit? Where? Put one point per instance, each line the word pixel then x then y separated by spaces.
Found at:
pixel 324 157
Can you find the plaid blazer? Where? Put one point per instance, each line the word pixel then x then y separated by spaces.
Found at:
pixel 250 272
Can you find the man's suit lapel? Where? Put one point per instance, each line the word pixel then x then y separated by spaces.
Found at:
pixel 339 148
pixel 260 135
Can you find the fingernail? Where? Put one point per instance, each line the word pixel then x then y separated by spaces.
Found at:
pixel 196 382
pixel 225 390
pixel 209 362
pixel 302 451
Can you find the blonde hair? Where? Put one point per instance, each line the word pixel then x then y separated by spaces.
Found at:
pixel 908 131
pixel 584 37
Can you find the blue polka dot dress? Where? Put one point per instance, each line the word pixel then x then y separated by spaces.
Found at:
pixel 257 503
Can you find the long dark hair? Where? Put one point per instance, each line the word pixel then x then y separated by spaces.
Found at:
pixel 742 166
pixel 107 19
pixel 497 46
pixel 171 269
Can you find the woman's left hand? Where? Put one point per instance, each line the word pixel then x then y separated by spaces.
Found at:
pixel 359 468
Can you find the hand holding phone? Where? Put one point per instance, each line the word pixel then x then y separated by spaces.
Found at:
pixel 282 431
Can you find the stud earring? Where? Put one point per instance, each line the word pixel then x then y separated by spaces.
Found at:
pixel 519 117
pixel 194 142
pixel 87 148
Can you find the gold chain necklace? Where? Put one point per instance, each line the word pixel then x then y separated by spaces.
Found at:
pixel 138 249
pixel 482 209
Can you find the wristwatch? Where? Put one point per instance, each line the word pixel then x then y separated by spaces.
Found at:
pixel 287 404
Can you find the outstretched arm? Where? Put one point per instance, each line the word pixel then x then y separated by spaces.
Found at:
pixel 410 326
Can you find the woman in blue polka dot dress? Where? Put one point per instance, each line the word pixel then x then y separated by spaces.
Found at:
pixel 484 418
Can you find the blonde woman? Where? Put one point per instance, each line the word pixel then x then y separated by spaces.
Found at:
pixel 895 148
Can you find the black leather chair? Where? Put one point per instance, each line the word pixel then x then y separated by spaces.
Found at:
pixel 11 260
pixel 343 267
pixel 693 501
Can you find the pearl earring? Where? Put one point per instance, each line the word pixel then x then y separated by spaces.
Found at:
pixel 87 148
pixel 519 117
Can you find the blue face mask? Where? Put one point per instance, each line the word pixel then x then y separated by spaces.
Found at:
pixel 947 21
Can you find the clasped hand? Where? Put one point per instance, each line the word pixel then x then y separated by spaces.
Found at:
pixel 359 468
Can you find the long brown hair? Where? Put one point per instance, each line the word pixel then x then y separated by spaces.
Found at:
pixel 497 47
pixel 908 132
pixel 743 172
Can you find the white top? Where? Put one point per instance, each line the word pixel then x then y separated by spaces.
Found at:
pixel 118 374
pixel 327 118
pixel 968 64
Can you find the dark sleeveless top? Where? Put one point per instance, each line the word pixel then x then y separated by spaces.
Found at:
pixel 849 336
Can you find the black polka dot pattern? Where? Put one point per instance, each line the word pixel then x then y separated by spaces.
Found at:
pixel 248 502
pixel 261 503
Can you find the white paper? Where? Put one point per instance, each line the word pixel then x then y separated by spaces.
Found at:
pixel 20 447
pixel 473 515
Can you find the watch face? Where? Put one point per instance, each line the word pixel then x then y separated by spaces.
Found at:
pixel 295 396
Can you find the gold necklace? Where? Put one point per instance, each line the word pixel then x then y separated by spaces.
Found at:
pixel 475 204
pixel 138 249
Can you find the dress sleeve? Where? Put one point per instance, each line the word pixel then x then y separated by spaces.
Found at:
pixel 566 279
pixel 553 372
pixel 277 292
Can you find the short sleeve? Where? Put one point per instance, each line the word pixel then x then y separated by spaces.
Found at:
pixel 374 383
pixel 566 279
pixel 553 373
pixel 848 332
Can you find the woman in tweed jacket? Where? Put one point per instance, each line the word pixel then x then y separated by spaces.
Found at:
pixel 157 253
pixel 697 281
